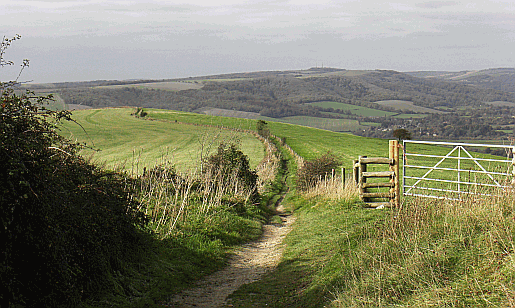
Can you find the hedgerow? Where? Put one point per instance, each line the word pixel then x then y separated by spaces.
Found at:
pixel 66 225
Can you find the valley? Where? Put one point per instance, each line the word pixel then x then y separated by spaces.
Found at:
pixel 365 103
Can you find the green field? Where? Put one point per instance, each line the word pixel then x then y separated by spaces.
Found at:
pixel 306 141
pixel 405 105
pixel 369 112
pixel 124 138
pixel 354 109
pixel 57 103
pixel 410 115
pixel 136 143
pixel 167 86
pixel 335 125
pixel 326 233
pixel 501 104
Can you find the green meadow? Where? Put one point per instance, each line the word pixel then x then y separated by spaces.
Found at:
pixel 57 102
pixel 370 112
pixel 354 109
pixel 308 142
pixel 405 105
pixel 117 138
pixel 123 139
pixel 166 85
pixel 336 125
pixel 339 253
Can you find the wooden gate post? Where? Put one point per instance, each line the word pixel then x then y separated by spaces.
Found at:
pixel 355 172
pixel 394 156
pixel 362 180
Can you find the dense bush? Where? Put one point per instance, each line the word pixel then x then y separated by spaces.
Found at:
pixel 229 164
pixel 65 225
pixel 314 170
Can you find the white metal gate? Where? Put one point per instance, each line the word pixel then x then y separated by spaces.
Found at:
pixel 444 170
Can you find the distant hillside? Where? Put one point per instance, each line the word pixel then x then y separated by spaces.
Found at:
pixel 282 94
pixel 369 103
pixel 502 79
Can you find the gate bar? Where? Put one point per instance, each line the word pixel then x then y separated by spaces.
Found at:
pixel 461 144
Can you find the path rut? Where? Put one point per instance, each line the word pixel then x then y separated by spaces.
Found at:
pixel 247 265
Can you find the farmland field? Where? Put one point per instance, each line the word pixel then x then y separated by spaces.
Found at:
pixel 167 85
pixel 410 115
pixel 336 125
pixel 228 113
pixel 405 105
pixel 136 143
pixel 306 141
pixel 354 109
pixel 56 104
pixel 122 137
pixel 501 104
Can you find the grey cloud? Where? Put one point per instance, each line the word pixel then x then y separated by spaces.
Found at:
pixel 397 29
pixel 435 4
pixel 485 19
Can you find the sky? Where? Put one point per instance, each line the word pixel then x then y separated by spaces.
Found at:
pixel 159 39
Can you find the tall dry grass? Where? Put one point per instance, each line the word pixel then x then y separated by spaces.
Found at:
pixel 268 167
pixel 171 199
pixel 434 253
pixel 332 187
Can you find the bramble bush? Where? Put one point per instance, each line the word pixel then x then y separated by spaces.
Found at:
pixel 315 170
pixel 228 164
pixel 65 224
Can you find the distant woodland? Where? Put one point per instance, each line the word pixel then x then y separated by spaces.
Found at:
pixel 285 96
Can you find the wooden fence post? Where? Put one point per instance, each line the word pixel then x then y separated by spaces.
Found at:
pixel 343 179
pixel 394 156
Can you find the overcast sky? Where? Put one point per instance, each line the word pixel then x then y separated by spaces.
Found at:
pixel 103 39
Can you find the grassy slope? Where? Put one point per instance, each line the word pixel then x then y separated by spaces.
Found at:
pixel 337 125
pixel 311 269
pixel 330 256
pixel 306 141
pixel 427 254
pixel 198 247
pixel 138 143
pixel 354 109
pixel 311 143
pixel 405 105
pixel 331 252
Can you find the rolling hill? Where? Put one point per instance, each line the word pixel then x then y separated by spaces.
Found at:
pixel 502 79
pixel 368 103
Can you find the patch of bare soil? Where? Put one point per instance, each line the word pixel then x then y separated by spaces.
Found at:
pixel 247 265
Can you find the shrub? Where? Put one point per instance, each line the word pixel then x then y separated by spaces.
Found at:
pixel 66 226
pixel 229 164
pixel 262 129
pixel 315 170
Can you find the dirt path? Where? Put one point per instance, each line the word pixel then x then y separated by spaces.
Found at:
pixel 248 264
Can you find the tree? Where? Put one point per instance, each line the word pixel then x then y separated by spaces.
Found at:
pixel 402 134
